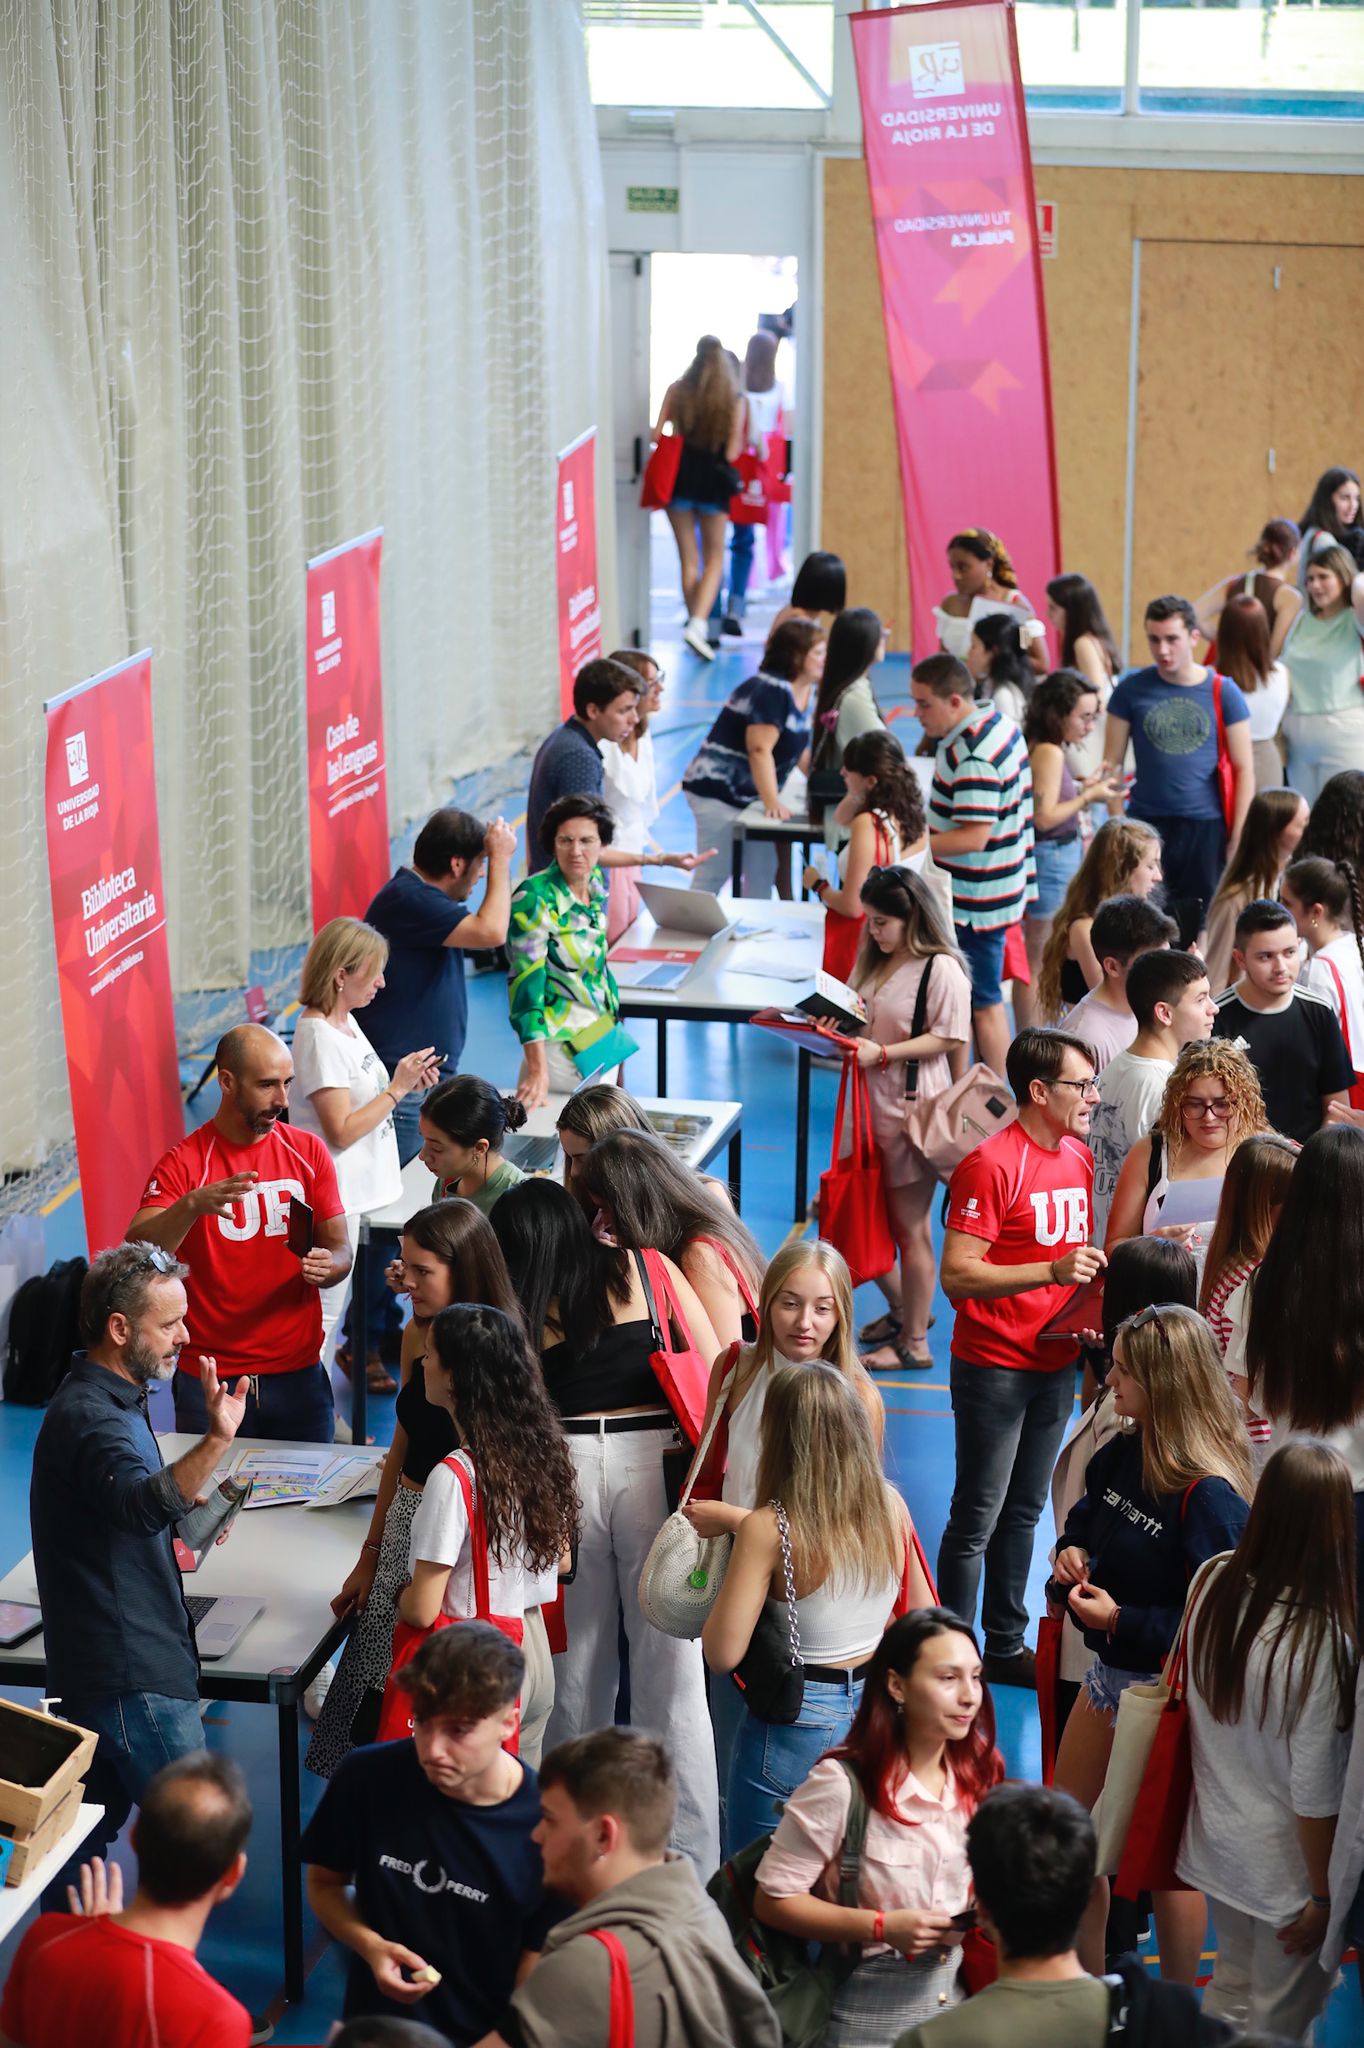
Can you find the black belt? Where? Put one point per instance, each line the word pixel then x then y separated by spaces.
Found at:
pixel 834 1674
pixel 1056 838
pixel 613 1425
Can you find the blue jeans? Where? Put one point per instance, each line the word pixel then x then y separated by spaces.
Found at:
pixel 1009 1427
pixel 771 1760
pixel 983 953
pixel 740 569
pixel 138 1733
pixel 289 1407
pixel 1193 854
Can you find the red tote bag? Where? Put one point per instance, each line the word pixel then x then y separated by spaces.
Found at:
pixel 852 1196
pixel 660 473
pixel 683 1375
pixel 1050 1630
pixel 1157 1825
pixel 395 1715
pixel 1226 774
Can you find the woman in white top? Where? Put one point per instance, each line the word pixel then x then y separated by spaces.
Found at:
pixel 999 657
pixel 630 786
pixel 342 1091
pixel 1076 615
pixel 1324 900
pixel 1324 724
pixel 479 1367
pixel 1243 653
pixel 1273 1648
pixel 922 1749
pixel 983 582
pixel 832 1531
pixel 882 813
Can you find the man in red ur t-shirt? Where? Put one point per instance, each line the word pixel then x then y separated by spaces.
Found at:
pixel 1016 1245
pixel 131 1978
pixel 220 1201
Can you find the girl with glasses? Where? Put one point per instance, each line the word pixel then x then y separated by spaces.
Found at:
pixel 1165 1494
pixel 1212 1102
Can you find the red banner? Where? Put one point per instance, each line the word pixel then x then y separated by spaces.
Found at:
pixel 347 778
pixel 109 920
pixel 953 211
pixel 576 553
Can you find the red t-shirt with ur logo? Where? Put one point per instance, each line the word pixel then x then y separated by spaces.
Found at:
pixel 1031 1206
pixel 249 1306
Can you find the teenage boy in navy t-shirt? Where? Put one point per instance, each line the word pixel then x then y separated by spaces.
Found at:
pixel 421 1853
pixel 1170 713
pixel 1016 1245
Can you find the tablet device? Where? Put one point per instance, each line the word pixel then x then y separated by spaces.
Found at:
pixel 1083 1310
pixel 18 1621
pixel 300 1228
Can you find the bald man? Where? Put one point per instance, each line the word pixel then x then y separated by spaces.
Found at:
pixel 220 1201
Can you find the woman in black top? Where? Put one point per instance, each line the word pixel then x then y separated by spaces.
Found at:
pixel 449 1254
pixel 705 408
pixel 585 1305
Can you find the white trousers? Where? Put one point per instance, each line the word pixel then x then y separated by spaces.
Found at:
pixel 537 1689
pixel 1255 1985
pixel 620 1479
pixel 334 1304
pixel 1322 744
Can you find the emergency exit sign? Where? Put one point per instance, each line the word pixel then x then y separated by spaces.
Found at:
pixel 651 199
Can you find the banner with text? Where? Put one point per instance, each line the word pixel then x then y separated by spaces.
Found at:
pixel 347 778
pixel 109 920
pixel 576 552
pixel 955 222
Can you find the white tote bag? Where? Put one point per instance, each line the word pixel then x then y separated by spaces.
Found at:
pixel 683 1572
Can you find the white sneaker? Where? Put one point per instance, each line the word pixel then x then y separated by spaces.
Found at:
pixel 317 1692
pixel 694 633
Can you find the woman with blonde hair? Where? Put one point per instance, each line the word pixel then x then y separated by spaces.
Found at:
pixel 830 1539
pixel 1165 1494
pixel 1123 860
pixel 342 1092
pixel 1270 837
pixel 1212 1103
pixel 703 406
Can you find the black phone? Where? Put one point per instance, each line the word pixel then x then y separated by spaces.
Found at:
pixel 300 1228
pixel 966 1920
pixel 19 1620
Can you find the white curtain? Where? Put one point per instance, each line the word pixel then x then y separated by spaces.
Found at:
pixel 276 272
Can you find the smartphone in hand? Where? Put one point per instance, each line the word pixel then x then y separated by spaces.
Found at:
pixel 300 1228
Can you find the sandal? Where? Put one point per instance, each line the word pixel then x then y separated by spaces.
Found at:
pixel 378 1378
pixel 913 1351
pixel 884 1330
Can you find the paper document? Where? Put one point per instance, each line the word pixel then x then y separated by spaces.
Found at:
pixel 298 1475
pixel 768 963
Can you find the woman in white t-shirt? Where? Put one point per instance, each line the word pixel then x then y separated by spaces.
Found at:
pixel 1323 898
pixel 342 1092
pixel 1243 641
pixel 479 1367
pixel 1272 1655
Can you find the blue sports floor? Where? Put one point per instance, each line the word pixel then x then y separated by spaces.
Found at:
pixel 708 1061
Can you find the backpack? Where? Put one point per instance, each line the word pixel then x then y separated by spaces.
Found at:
pixel 44 1330
pixel 800 1990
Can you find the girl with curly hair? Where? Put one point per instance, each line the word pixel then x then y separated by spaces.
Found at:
pixel 1123 860
pixel 479 1367
pixel 1212 1102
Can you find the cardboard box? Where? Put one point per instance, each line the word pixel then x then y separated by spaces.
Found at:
pixel 41 1760
pixel 30 1849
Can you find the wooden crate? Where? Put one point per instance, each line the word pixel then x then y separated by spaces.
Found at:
pixel 41 1760
pixel 28 1849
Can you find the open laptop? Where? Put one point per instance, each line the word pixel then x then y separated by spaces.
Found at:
pixel 537 1154
pixel 684 910
pixel 220 1622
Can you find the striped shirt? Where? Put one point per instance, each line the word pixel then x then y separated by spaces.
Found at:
pixel 981 777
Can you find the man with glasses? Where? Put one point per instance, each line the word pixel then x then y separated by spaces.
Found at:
pixel 1017 1244
pixel 103 1508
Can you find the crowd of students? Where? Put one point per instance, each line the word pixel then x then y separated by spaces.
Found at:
pixel 522 1809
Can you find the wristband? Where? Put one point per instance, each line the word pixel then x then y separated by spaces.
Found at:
pixel 883 1056
pixel 878 1926
pixel 375 1547
pixel 1113 1623
pixel 1324 1903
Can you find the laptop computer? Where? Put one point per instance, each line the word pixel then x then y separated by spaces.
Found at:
pixel 220 1622
pixel 685 910
pixel 660 974
pixel 537 1154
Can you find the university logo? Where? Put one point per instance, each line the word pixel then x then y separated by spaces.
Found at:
pixel 328 614
pixel 77 760
pixel 568 502
pixel 935 70
pixel 1062 1216
pixel 265 1207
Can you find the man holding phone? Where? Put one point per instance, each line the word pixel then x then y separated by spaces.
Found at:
pixel 221 1199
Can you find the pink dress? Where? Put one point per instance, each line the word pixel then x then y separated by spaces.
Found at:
pixel 890 1020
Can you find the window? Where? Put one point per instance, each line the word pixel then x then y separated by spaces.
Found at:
pixel 1303 58
pixel 710 53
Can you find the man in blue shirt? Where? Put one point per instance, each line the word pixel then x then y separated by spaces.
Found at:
pixel 569 763
pixel 118 1639
pixel 1171 713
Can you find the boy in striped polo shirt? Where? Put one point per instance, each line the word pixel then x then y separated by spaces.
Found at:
pixel 980 831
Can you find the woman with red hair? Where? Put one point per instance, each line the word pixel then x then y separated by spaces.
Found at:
pixel 922 1750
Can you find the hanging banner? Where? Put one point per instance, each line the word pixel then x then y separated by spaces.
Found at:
pixel 955 222
pixel 109 920
pixel 576 553
pixel 347 778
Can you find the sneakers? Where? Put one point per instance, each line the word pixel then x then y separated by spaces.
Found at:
pixel 1020 1670
pixel 694 633
pixel 730 625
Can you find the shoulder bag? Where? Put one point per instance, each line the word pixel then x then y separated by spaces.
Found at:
pixel 660 473
pixel 945 1127
pixel 620 2030
pixel 852 1198
pixel 771 1672
pixel 683 1572
pixel 683 1375
pixel 1226 773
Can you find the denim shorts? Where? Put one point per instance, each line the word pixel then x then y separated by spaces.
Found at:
pixel 1057 862
pixel 983 953
pixel 698 506
pixel 1105 1686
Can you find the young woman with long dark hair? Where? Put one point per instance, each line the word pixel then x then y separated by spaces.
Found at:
pixel 1274 826
pixel 819 592
pixel 1076 614
pixel 1332 514
pixel 464 1123
pixel 1000 661
pixel 883 815
pixel 1062 711
pixel 1123 860
pixel 845 704
pixel 448 1254
pixel 922 1748
pixel 479 1368
pixel 587 1313
pixel 1273 1651
pixel 1325 901
pixel 705 408
pixel 1161 1497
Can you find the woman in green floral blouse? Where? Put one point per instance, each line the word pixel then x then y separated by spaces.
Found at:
pixel 561 989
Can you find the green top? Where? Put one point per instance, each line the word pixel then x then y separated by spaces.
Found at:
pixel 560 984
pixel 1322 657
pixel 1011 2014
pixel 490 1193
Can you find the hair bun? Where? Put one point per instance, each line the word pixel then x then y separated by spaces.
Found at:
pixel 514 1112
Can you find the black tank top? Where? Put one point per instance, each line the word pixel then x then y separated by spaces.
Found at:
pixel 1074 987
pixel 431 1433
pixel 615 1373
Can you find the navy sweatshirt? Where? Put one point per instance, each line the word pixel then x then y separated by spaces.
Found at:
pixel 1143 1551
